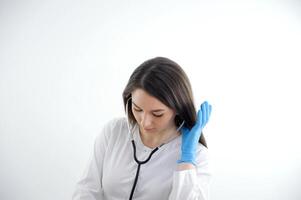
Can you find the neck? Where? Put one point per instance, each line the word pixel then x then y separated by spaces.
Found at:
pixel 156 139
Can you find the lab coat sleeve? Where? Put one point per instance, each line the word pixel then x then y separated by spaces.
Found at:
pixel 193 184
pixel 89 187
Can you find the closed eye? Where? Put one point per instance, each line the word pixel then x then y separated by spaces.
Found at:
pixel 155 115
pixel 137 110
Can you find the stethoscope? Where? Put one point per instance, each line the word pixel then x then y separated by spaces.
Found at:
pixel 134 150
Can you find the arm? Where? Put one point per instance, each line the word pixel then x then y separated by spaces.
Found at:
pixel 89 186
pixel 185 166
pixel 191 182
pixel 192 178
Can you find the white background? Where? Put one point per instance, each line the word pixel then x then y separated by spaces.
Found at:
pixel 64 65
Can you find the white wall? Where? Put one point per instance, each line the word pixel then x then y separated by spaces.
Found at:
pixel 64 64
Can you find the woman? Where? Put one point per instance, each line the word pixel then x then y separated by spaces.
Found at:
pixel 158 151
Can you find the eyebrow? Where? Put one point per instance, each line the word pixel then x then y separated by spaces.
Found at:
pixel 156 110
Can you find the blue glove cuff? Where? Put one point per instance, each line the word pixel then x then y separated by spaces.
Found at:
pixel 187 158
pixel 187 161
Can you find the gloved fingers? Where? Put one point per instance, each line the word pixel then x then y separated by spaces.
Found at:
pixel 210 108
pixel 204 108
pixel 208 112
pixel 199 120
pixel 205 113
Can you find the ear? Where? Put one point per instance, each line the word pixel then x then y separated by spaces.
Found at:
pixel 178 120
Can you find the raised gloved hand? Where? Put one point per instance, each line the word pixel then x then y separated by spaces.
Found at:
pixel 190 138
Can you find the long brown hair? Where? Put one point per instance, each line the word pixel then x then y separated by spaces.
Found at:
pixel 165 80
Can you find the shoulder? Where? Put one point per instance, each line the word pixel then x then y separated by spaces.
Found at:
pixel 113 128
pixel 116 123
pixel 201 147
pixel 203 169
pixel 202 155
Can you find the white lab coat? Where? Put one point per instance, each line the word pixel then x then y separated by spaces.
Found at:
pixel 111 170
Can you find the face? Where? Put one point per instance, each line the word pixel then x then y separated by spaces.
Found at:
pixel 152 115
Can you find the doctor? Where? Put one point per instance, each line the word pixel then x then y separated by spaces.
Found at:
pixel 158 151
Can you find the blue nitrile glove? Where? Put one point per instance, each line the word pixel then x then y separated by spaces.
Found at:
pixel 190 138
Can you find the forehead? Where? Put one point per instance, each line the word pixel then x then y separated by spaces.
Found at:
pixel 144 100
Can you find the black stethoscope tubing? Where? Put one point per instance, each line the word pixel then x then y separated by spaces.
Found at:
pixel 139 165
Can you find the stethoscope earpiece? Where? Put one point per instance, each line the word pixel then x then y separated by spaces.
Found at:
pixel 182 124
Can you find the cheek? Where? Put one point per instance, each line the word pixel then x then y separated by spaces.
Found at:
pixel 167 121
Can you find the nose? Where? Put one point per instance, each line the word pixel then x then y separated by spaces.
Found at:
pixel 146 121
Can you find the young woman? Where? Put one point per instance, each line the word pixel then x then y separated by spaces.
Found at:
pixel 156 152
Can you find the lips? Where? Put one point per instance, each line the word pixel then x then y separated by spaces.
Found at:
pixel 149 129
